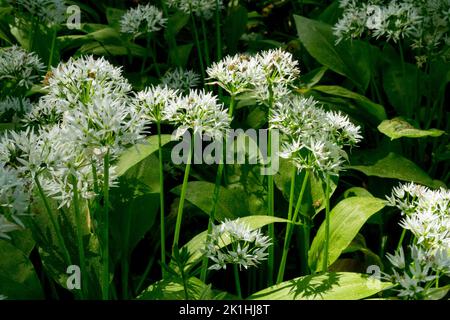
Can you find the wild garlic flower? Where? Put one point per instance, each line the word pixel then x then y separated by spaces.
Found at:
pixel 247 248
pixel 426 24
pixel 426 214
pixel 142 20
pixel 236 74
pixel 48 11
pixel 14 200
pixel 179 79
pixel 19 67
pixel 154 102
pixel 414 275
pixel 13 107
pixel 200 112
pixel 313 139
pixel 201 8
pixel 278 66
pixel 80 81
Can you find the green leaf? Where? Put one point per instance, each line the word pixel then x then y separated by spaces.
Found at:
pixel 366 105
pixel 394 166
pixel 402 87
pixel 18 279
pixel 399 128
pixel 197 244
pixel 346 219
pixel 173 289
pixel 234 27
pixel 113 16
pixel 328 286
pixel 180 54
pixel 351 59
pixel 437 293
pixel 232 202
pixel 139 152
pixel 313 77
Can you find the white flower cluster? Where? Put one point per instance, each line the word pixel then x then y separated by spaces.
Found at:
pixel 201 8
pixel 415 276
pixel 154 103
pixel 20 67
pixel 142 20
pixel 267 75
pixel 200 112
pixel 12 107
pixel 247 248
pixel 94 117
pixel 78 81
pixel 14 201
pixel 313 139
pixel 426 23
pixel 426 214
pixel 48 11
pixel 180 79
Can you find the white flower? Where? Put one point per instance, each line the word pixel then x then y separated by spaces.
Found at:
pixel 19 67
pixel 12 107
pixel 247 247
pixel 200 112
pixel 48 11
pixel 201 8
pixel 154 103
pixel 313 139
pixel 397 260
pixel 179 79
pixel 142 20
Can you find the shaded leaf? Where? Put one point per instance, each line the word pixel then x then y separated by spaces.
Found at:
pixel 400 128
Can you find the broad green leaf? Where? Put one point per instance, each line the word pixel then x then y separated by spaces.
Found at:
pixel 173 289
pixel 402 85
pixel 234 27
pixel 135 154
pixel 232 202
pixel 395 166
pixel 364 103
pixel 113 16
pixel 197 244
pixel 180 54
pixel 349 58
pixel 313 77
pixel 346 219
pixel 437 293
pixel 400 128
pixel 328 286
pixel 18 279
pixel 175 23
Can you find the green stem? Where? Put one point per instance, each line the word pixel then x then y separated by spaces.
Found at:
pixel 52 49
pixel 176 236
pixel 237 281
pixel 197 44
pixel 54 222
pixel 79 230
pixel 402 237
pixel 161 200
pixel 212 216
pixel 205 42
pixel 327 223
pixel 105 229
pixel 270 200
pixel 289 228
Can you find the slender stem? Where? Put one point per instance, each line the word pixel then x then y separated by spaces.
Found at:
pixel 176 237
pixel 402 237
pixel 289 228
pixel 105 246
pixel 218 39
pixel 197 44
pixel 54 222
pixel 212 215
pixel 52 49
pixel 327 223
pixel 79 230
pixel 285 248
pixel 205 42
pixel 237 281
pixel 161 200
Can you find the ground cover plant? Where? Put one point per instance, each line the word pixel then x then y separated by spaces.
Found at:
pixel 157 149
